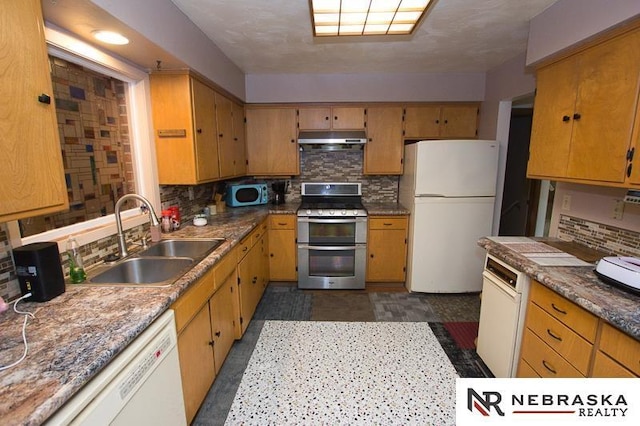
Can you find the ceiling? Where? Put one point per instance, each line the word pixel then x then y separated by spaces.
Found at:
pixel 275 36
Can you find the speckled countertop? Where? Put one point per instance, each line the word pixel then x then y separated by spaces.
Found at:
pixel 580 285
pixel 385 209
pixel 76 334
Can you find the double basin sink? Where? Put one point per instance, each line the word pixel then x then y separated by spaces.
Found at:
pixel 159 265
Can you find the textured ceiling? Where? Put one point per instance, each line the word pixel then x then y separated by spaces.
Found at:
pixel 275 37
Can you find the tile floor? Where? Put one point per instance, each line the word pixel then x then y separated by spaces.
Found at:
pixel 286 302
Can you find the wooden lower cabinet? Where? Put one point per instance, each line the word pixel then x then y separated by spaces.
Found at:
pixel 223 319
pixel 561 339
pixel 282 247
pixel 253 273
pixel 387 248
pixel 197 367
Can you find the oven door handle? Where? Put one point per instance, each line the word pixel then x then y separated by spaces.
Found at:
pixel 332 248
pixel 358 220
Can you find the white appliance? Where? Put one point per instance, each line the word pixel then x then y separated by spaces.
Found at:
pixel 502 312
pixel 449 187
pixel 141 386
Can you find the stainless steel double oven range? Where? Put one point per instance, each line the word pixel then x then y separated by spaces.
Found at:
pixel 332 236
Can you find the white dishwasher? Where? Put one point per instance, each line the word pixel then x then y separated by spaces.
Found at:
pixel 502 313
pixel 141 386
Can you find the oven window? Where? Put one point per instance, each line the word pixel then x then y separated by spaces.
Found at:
pixel 332 233
pixel 339 263
pixel 247 195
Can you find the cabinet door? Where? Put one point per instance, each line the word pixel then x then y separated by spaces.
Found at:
pixel 248 270
pixel 282 255
pixel 609 75
pixel 459 122
pixel 205 131
pixel 422 122
pixel 223 320
pixel 271 141
pixel 384 149
pixel 196 361
pixel 386 250
pixel 32 172
pixel 347 118
pixel 239 140
pixel 552 119
pixel 314 118
pixel 226 144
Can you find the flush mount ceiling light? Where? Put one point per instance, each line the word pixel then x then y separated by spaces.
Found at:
pixel 110 37
pixel 333 18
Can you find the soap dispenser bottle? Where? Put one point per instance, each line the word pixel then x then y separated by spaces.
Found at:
pixel 76 266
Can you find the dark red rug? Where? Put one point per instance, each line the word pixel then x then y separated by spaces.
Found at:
pixel 463 333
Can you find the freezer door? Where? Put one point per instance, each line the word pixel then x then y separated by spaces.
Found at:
pixel 456 168
pixel 444 256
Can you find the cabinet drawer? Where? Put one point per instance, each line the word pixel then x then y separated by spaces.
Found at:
pixel 258 232
pixel 544 360
pixel 225 267
pixel 621 347
pixel 190 303
pixel 565 311
pixel 388 222
pixel 606 367
pixel 560 338
pixel 525 371
pixel 282 221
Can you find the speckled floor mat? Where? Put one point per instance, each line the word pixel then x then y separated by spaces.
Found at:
pixel 315 372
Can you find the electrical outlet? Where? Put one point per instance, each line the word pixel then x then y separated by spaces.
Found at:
pixel 618 209
pixel 566 202
pixel 191 194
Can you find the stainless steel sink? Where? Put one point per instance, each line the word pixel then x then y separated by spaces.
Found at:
pixel 193 248
pixel 144 271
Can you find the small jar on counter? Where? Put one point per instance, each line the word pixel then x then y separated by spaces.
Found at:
pixel 166 221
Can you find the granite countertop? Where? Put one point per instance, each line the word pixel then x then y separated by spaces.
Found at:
pixel 578 284
pixel 386 209
pixel 78 333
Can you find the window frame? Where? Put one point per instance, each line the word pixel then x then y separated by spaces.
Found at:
pixel 67 47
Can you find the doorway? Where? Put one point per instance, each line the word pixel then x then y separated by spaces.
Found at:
pixel 520 195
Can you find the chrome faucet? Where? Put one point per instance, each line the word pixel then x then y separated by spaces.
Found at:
pixel 153 218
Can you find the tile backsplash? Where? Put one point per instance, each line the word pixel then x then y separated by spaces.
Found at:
pixel 609 239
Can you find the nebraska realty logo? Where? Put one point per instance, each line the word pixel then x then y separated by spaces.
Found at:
pixel 559 401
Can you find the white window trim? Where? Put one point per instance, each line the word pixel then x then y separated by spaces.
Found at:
pixel 65 46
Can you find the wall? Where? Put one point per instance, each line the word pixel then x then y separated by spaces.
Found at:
pixel 189 43
pixel 568 22
pixel 363 87
pixel 504 83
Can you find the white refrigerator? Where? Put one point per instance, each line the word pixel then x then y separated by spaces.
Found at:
pixel 449 187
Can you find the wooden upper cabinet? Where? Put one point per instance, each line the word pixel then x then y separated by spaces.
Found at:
pixel 385 147
pixel 584 113
pixel 32 171
pixel 184 121
pixel 441 121
pixel 226 144
pixel 239 139
pixel 272 148
pixel 331 118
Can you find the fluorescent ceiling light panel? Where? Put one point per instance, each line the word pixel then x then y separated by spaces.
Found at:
pixel 110 37
pixel 366 17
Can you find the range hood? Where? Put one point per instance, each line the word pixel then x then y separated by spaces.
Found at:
pixel 332 140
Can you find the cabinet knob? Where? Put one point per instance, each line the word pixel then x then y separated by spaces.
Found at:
pixel 210 343
pixel 371 255
pixel 335 118
pixel 271 254
pixel 437 121
pixel 293 140
pixel 370 139
pixel 446 121
pixel 576 116
pixel 220 135
pixel 327 118
pixel 217 334
pixel 44 99
pixel 199 130
pixel 566 118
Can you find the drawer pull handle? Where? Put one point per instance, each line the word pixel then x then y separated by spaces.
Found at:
pixel 558 309
pixel 558 338
pixel 281 223
pixel 245 248
pixel 544 363
pixel 387 224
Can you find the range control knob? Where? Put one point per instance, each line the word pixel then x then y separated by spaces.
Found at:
pixel 320 212
pixel 332 212
pixel 355 212
pixel 309 212
pixel 344 212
